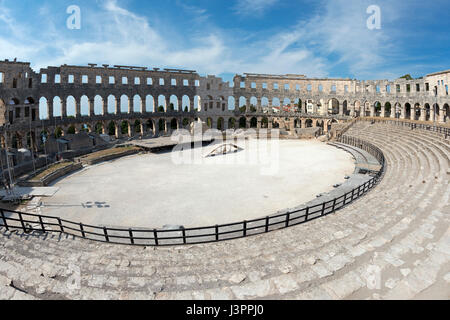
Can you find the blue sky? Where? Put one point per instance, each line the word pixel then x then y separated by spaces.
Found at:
pixel 315 38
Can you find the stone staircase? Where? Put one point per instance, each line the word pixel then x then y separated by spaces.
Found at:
pixel 393 243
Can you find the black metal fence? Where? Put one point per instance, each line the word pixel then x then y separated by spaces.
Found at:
pixel 14 220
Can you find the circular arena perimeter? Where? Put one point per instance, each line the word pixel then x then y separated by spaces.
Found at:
pixel 152 190
pixel 394 243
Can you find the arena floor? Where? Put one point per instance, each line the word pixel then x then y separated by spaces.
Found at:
pixel 152 191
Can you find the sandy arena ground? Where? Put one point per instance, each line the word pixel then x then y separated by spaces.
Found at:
pixel 152 191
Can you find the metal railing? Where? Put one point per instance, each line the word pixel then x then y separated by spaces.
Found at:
pixel 439 129
pixel 27 222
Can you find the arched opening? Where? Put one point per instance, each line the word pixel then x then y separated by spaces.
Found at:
pixel 162 125
pixel 98 105
pixel 253 104
pixel 174 103
pixel 231 103
pixel 275 124
pixel 297 123
pixel 417 111
pixel 232 123
pixel 220 123
pixel 84 106
pixel 137 104
pixel 149 103
pixel 124 104
pixel 387 110
pixel 71 106
pixel 436 112
pixel 162 104
pixel 112 105
pixel 242 123
pixel 174 124
pixel 377 107
pixel 407 111
pixel 124 127
pixel 427 112
pixel 309 123
pixel 71 130
pixel 242 104
pixel 333 106
pixel 186 103
pixel 357 108
pixel 137 126
pixel 186 123
pixel 99 128
pixel 209 122
pixel 446 113
pixel 253 123
pixel 43 109
pixel 112 129
pixel 265 123
pixel 345 108
pixel 57 107
pixel 150 126
pixel 398 110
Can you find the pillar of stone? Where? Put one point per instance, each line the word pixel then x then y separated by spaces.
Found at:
pixel 130 106
pixel 130 129
pixel 77 109
pixel 104 107
pixel 372 111
pixel 143 128
pixel 403 112
pixel 63 108
pixel 423 114
pixel 118 130
pixel 432 114
pixel 168 104
pixel 393 111
pixel 441 118
pixel 49 109
pixel 116 106
pixel 91 107
pixel 383 111
pixel 180 106
pixel 341 109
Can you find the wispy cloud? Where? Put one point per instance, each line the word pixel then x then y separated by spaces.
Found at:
pixel 253 7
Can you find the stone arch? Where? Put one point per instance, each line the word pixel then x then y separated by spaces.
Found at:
pixel 98 105
pixel 427 112
pixel 84 105
pixel 173 124
pixel 209 122
pixel 162 125
pixel 446 111
pixel 387 110
pixel 276 102
pixel 265 123
pixel 137 104
pixel 242 123
pixel 333 106
pixel 173 103
pixel 397 110
pixel 124 104
pixel 43 108
pixel 308 123
pixel 345 109
pixel 162 104
pixel 185 103
pixel 253 123
pixel 408 112
pixel 243 104
pixel 112 105
pixel 297 123
pixel 149 103
pixel 231 103
pixel 253 104
pixel 417 112
pixel 99 128
pixel 232 123
pixel 125 127
pixel 220 124
pixel 57 107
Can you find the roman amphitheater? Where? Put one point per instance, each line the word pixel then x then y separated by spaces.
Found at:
pixel 95 206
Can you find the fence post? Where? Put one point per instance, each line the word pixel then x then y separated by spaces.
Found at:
pixel 155 234
pixel 288 217
pixel 267 224
pixel 4 220
pixel 184 235
pixel 42 224
pixel 323 209
pixel 217 232
pixel 22 223
pixel 106 234
pixel 306 214
pixel 83 234
pixel 60 225
pixel 245 228
pixel 130 231
pixel 334 205
pixel 353 194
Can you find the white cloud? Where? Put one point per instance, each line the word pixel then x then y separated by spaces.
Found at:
pixel 253 7
pixel 120 36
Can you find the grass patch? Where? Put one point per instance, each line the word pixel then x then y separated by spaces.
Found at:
pixel 51 169
pixel 108 152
